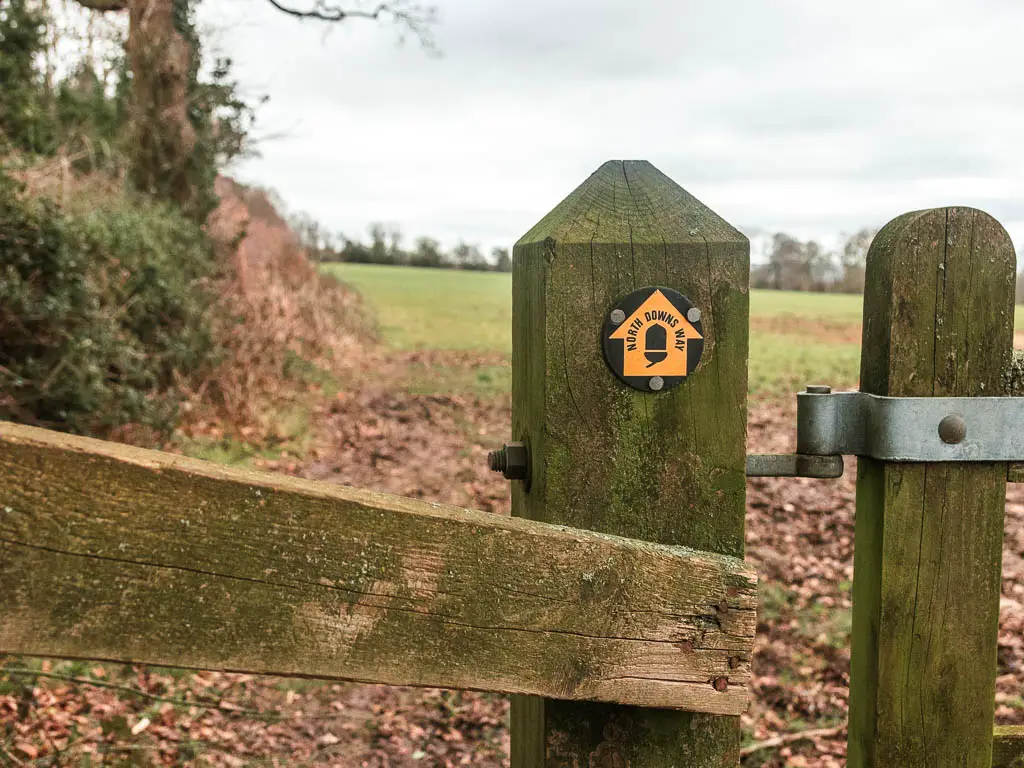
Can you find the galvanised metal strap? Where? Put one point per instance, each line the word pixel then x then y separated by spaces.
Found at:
pixel 911 428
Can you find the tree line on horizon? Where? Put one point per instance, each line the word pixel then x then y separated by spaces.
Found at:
pixel 791 264
pixel 385 246
pixel 796 265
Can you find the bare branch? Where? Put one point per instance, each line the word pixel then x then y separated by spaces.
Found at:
pixel 323 12
pixel 414 18
pixel 104 5
pixel 789 738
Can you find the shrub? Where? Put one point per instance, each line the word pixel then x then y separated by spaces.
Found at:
pixel 102 311
pixel 281 327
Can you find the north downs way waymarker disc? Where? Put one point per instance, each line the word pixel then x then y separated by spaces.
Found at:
pixel 653 338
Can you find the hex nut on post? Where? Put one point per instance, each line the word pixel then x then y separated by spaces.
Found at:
pixel 512 461
pixel 953 429
pixel 818 389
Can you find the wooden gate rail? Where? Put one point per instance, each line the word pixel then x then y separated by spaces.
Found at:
pixel 115 553
pixel 1008 750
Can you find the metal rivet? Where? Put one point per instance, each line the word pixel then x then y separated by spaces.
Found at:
pixel 656 383
pixel 818 389
pixel 618 316
pixel 953 429
pixel 693 315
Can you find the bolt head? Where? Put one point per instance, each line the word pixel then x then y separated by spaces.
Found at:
pixel 656 383
pixel 693 315
pixel 618 316
pixel 953 429
pixel 818 389
pixel 517 461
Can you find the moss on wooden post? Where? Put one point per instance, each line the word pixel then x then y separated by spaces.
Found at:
pixel 665 467
pixel 938 320
pixel 1015 381
pixel 117 553
pixel 1008 749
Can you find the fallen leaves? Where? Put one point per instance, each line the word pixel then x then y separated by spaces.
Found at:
pixel 799 535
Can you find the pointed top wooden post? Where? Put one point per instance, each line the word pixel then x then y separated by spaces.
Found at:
pixel 660 466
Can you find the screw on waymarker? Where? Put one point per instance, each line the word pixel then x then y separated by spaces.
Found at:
pixel 618 317
pixel 818 389
pixel 953 429
pixel 511 460
pixel 656 383
pixel 693 315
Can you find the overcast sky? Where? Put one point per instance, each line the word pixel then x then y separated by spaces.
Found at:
pixel 810 116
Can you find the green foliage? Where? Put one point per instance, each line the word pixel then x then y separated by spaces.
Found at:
pixel 81 114
pixel 89 120
pixel 220 117
pixel 102 123
pixel 101 312
pixel 25 119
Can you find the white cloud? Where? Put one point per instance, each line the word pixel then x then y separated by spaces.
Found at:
pixel 808 116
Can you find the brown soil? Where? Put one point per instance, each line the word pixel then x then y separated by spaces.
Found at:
pixel 831 331
pixel 799 535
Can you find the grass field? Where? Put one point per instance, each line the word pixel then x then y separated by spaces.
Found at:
pixel 796 338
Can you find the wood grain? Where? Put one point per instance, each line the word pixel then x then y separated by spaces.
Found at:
pixel 938 320
pixel 666 467
pixel 1015 382
pixel 115 553
pixel 1008 749
pixel 1015 374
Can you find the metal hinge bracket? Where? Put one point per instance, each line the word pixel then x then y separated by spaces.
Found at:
pixel 920 429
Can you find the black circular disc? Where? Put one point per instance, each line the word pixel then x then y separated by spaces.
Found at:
pixel 653 338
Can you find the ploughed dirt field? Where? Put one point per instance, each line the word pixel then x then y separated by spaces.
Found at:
pixel 431 446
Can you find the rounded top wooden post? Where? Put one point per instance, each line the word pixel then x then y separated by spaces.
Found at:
pixel 938 321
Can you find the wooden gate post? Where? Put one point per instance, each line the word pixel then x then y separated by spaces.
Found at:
pixel 938 321
pixel 661 466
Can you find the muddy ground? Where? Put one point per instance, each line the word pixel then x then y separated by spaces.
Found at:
pixel 799 535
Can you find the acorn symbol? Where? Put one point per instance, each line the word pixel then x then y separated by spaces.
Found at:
pixel 655 344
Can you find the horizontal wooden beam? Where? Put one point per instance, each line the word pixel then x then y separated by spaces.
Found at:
pixel 1008 749
pixel 110 552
